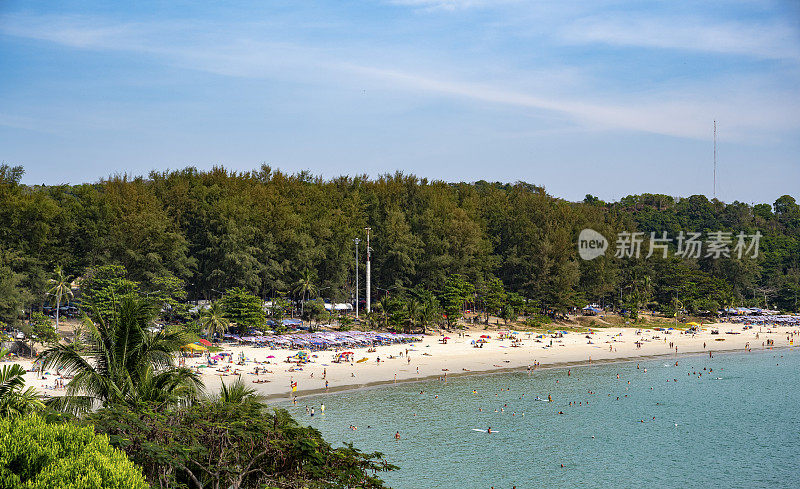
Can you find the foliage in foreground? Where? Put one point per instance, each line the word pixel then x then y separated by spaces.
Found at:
pixel 15 400
pixel 38 455
pixel 123 363
pixel 243 444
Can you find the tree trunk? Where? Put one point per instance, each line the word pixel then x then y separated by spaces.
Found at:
pixel 58 309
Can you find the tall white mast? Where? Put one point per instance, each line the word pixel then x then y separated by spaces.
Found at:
pixel 356 240
pixel 369 276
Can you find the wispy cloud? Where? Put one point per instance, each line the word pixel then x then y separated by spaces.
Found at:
pixel 681 112
pixel 675 114
pixel 769 40
pixel 447 4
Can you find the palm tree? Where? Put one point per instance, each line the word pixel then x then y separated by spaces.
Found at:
pixel 179 387
pixel 60 289
pixel 305 285
pixel 413 312
pixel 385 305
pixel 212 321
pixel 14 401
pixel 428 314
pixel 123 362
pixel 236 393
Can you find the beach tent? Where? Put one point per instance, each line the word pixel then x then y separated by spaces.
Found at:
pixel 591 311
pixel 194 347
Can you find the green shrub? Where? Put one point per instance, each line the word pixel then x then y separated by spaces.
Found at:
pixel 537 321
pixel 38 455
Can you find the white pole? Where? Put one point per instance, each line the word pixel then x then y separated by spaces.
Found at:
pixel 357 241
pixel 369 275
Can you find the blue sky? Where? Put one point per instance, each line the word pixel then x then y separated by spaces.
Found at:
pixel 603 97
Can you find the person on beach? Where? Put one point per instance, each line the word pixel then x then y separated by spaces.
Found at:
pixel 397 435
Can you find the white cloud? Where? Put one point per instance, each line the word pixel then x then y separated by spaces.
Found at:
pixel 769 40
pixel 684 111
pixel 686 115
pixel 447 4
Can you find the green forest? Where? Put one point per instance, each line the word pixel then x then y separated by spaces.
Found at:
pixel 188 234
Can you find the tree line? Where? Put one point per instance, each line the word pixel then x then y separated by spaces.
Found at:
pixel 189 235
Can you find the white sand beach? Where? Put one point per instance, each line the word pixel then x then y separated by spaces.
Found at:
pixel 431 358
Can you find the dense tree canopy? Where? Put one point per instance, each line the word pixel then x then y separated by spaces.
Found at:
pixel 265 232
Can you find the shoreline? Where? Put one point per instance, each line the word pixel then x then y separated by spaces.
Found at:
pixel 505 370
pixel 430 359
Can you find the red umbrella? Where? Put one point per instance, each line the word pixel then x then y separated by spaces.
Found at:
pixel 447 337
pixel 485 336
pixel 347 353
pixel 204 342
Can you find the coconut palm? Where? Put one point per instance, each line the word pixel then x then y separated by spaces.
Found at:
pixel 60 289
pixel 123 362
pixel 428 314
pixel 178 387
pixel 15 401
pixel 413 312
pixel 236 393
pixel 305 285
pixel 213 321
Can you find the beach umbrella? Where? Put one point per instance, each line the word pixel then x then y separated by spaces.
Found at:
pixel 203 342
pixel 271 356
pixel 485 336
pixel 446 337
pixel 194 347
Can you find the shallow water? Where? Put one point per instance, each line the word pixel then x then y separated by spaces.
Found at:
pixel 738 426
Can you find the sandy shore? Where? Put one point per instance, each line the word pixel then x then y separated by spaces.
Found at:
pixel 430 358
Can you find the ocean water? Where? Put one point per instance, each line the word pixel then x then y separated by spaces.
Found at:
pixel 737 426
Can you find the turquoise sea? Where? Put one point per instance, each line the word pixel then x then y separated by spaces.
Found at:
pixel 737 426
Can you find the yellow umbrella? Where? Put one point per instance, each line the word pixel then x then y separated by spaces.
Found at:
pixel 194 347
pixel 692 324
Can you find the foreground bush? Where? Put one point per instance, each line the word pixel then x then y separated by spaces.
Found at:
pixel 38 455
pixel 243 444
